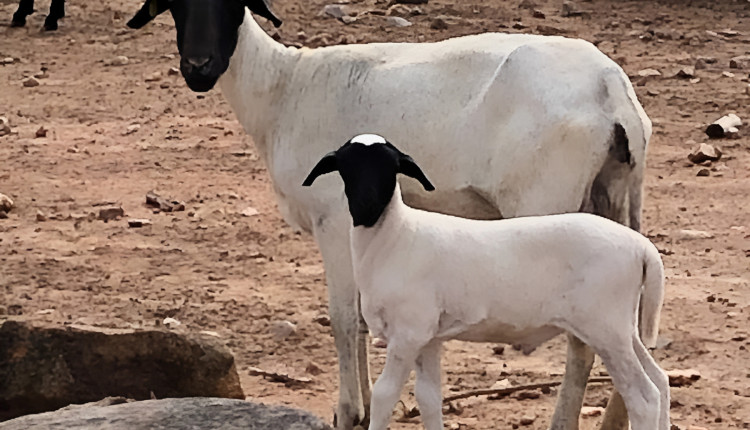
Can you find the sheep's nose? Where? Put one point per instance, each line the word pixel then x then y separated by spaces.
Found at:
pixel 198 62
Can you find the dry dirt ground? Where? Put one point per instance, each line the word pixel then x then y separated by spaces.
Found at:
pixel 116 132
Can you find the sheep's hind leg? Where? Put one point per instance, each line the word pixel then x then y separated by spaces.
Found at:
pixel 25 8
pixel 577 368
pixel 427 390
pixel 387 389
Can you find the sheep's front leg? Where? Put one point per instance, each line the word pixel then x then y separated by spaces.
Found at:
pixel 387 389
pixel 333 241
pixel 427 390
pixel 577 368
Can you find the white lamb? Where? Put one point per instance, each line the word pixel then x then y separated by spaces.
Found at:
pixel 517 124
pixel 425 278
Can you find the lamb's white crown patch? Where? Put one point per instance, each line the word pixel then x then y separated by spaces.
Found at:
pixel 368 139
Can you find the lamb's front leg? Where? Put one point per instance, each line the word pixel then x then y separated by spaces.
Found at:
pixel 399 362
pixel 577 368
pixel 427 390
pixel 343 308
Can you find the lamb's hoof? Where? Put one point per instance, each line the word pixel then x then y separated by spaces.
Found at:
pixel 357 423
pixel 18 21
pixel 49 25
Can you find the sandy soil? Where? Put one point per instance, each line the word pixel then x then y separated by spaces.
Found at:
pixel 116 132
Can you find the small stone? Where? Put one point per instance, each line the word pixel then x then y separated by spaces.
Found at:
pixel 397 21
pixel 7 60
pixel 323 320
pixel 108 214
pixel 686 72
pixel 170 322
pixel 30 82
pixel 683 378
pixel 313 369
pixel 3 215
pixel 249 211
pixel 4 126
pixel 120 60
pixel 501 384
pixel 591 411
pixel 527 4
pixel 334 10
pixel 518 25
pixel 280 330
pixel 740 62
pixel 653 93
pixel 439 24
pixel 346 19
pixel 527 420
pixel 378 342
pixel 153 77
pixel 700 64
pixel 131 129
pixel 138 222
pixel 173 71
pixel 687 234
pixel 40 216
pixel 498 349
pixel 164 85
pixel 704 152
pixel 41 132
pixel 6 203
pixel 727 74
pixel 538 14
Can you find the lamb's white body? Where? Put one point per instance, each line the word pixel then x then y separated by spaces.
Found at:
pixel 425 278
pixel 516 124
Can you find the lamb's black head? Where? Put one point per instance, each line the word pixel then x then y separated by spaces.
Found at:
pixel 206 33
pixel 368 164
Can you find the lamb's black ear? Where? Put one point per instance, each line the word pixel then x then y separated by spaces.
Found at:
pixel 408 167
pixel 148 11
pixel 261 8
pixel 327 164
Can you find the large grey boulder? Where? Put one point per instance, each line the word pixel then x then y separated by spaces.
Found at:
pixel 171 414
pixel 45 368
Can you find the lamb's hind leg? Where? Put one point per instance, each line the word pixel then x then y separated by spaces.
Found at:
pixel 577 368
pixel 658 377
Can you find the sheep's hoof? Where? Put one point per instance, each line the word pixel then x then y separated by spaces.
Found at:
pixel 50 25
pixel 18 21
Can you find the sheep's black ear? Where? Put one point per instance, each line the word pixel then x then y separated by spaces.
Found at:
pixel 327 164
pixel 408 167
pixel 261 8
pixel 148 11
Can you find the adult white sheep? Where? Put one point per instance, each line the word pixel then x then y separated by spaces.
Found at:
pixel 518 124
pixel 426 277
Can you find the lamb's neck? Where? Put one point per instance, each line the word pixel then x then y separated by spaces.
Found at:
pixel 390 226
pixel 255 82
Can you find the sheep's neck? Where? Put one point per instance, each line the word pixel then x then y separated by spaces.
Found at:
pixel 366 240
pixel 255 81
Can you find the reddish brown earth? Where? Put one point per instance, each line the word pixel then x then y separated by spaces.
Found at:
pixel 214 269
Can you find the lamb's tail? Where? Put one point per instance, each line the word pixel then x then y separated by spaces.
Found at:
pixel 652 296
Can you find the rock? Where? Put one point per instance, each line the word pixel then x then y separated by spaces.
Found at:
pixel 131 129
pixel 249 211
pixel 30 82
pixel 40 216
pixel 686 72
pixel 346 19
pixel 439 23
pixel 700 64
pixel 335 10
pixel 162 204
pixel 527 420
pixel 282 330
pixel 538 14
pixel 173 71
pixel 649 73
pixel 153 77
pixel 6 203
pixel 498 349
pixel 7 60
pixel 138 222
pixel 703 153
pixel 727 74
pixel 171 414
pixel 4 126
pixel 41 132
pixel 109 214
pixel 46 367
pixel 3 215
pixel 397 21
pixel 683 378
pixel 740 62
pixel 501 384
pixel 694 234
pixel 323 320
pixel 120 60
pixel 170 322
pixel 703 172
pixel 591 411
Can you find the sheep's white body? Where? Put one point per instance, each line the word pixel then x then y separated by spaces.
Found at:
pixel 425 278
pixel 515 124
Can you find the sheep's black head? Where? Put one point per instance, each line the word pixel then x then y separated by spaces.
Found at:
pixel 368 164
pixel 206 33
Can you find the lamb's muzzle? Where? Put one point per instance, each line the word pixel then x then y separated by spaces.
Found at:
pixel 425 278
